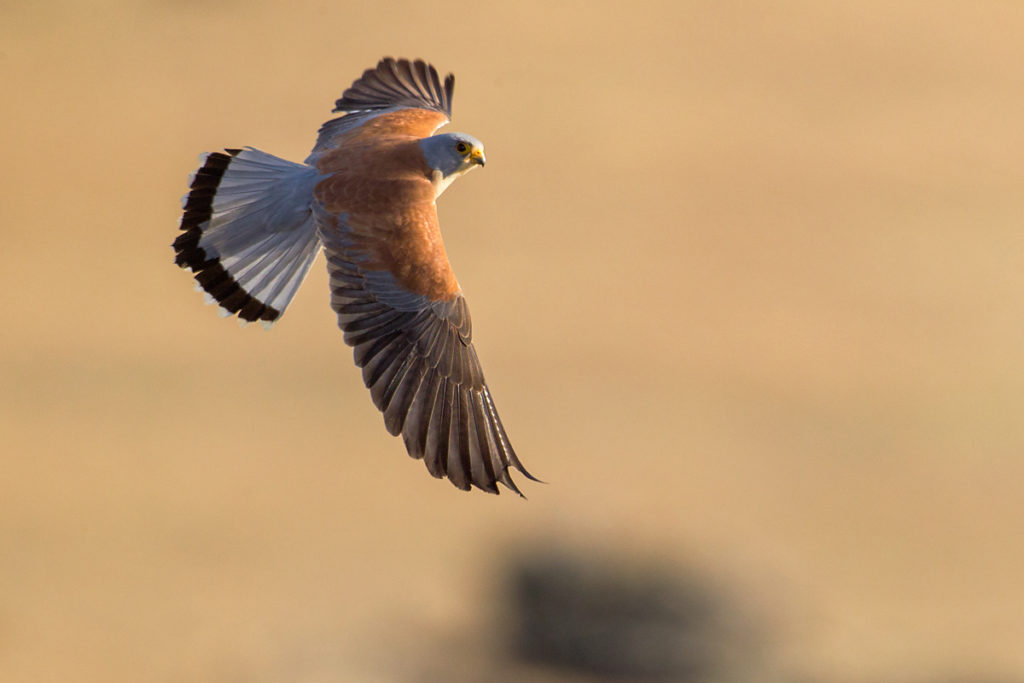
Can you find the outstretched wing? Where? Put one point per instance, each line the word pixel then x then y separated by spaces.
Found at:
pixel 418 361
pixel 396 297
pixel 409 94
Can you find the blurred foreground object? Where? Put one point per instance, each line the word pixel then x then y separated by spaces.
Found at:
pixel 612 619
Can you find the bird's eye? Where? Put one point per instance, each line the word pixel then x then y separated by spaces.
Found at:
pixel 461 148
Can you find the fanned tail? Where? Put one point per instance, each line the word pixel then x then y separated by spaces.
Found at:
pixel 248 232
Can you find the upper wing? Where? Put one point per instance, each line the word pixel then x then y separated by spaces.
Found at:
pixel 419 363
pixel 393 87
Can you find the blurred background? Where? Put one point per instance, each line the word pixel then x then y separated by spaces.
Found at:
pixel 747 285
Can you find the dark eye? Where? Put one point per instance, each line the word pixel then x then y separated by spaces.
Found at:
pixel 461 147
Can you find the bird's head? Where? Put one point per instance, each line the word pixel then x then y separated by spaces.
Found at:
pixel 452 154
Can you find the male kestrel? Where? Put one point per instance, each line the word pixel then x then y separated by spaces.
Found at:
pixel 253 224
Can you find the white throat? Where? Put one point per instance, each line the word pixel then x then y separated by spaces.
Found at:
pixel 441 183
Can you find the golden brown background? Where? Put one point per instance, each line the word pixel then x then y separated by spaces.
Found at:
pixel 747 281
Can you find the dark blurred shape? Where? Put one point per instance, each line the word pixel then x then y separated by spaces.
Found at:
pixel 603 618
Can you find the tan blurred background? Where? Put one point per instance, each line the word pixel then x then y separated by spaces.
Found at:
pixel 747 281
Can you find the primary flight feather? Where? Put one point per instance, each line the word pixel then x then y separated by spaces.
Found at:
pixel 253 223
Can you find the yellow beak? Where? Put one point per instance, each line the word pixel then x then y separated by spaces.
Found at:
pixel 477 156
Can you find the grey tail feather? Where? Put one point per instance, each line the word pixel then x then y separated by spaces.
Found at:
pixel 248 232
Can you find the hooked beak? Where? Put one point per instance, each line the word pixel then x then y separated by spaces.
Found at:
pixel 477 156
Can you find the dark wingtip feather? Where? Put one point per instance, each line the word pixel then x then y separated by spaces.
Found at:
pixel 398 83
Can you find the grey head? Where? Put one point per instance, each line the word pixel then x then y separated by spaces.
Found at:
pixel 450 155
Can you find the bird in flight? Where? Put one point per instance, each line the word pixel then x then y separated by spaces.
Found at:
pixel 253 223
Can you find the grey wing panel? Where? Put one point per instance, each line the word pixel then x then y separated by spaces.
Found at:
pixel 393 85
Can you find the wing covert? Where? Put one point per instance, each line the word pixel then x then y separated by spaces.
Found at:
pixel 404 96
